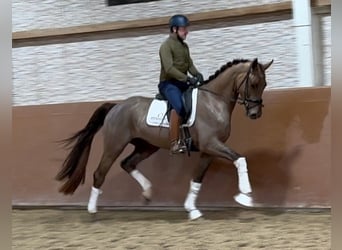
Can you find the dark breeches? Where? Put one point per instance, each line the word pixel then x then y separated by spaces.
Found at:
pixel 173 93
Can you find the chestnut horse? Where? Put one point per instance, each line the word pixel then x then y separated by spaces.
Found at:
pixel 240 81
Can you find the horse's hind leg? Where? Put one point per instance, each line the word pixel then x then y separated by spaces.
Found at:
pixel 195 186
pixel 112 150
pixel 142 151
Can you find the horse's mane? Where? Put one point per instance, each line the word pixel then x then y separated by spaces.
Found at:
pixel 224 67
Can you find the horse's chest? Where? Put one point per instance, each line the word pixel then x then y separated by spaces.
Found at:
pixel 223 125
pixel 224 131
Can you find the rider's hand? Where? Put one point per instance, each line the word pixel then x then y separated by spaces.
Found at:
pixel 200 78
pixel 192 81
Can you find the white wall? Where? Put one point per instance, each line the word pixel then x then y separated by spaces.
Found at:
pixel 34 14
pixel 117 68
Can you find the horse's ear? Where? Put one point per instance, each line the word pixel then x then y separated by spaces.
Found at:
pixel 267 65
pixel 255 63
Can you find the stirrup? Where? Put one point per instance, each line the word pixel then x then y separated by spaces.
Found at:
pixel 177 148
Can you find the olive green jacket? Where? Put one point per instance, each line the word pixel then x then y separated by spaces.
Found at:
pixel 175 60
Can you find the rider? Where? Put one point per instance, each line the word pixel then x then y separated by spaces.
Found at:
pixel 174 80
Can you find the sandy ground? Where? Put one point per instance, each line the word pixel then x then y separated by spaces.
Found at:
pixel 53 229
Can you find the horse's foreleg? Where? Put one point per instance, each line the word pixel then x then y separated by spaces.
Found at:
pixel 243 197
pixel 190 201
pixel 142 151
pixel 219 149
pixel 195 186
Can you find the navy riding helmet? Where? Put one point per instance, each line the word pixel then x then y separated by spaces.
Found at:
pixel 178 21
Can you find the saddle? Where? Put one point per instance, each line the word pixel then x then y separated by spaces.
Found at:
pixel 187 104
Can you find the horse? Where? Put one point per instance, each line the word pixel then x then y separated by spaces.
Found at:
pixel 239 81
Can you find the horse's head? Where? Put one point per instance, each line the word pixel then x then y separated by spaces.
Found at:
pixel 251 87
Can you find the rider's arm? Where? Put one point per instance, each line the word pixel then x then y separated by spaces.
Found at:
pixel 166 59
pixel 192 69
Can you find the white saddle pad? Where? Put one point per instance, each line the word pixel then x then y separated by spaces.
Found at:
pixel 156 115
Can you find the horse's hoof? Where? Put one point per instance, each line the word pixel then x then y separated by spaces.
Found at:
pixel 195 214
pixel 244 200
pixel 147 194
pixel 92 210
pixel 146 201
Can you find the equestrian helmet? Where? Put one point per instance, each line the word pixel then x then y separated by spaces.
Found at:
pixel 178 21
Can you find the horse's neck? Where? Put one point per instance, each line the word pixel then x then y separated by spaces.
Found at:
pixel 226 83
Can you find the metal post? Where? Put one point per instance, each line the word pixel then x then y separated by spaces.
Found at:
pixel 308 33
pixel 317 49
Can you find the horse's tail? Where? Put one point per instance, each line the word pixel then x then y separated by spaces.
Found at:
pixel 74 166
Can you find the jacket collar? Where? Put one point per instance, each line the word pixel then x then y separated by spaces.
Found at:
pixel 176 38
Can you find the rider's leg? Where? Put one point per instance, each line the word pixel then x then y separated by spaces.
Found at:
pixel 175 145
pixel 174 96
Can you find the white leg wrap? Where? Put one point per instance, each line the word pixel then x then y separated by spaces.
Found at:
pixel 144 183
pixel 189 203
pixel 244 184
pixel 92 204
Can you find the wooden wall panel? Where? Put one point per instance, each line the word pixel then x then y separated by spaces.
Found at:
pixel 287 149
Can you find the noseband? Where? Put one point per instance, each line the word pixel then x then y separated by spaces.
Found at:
pixel 248 102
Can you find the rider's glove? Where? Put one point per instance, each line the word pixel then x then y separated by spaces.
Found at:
pixel 192 81
pixel 200 78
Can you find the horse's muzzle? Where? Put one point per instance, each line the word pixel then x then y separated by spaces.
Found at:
pixel 254 115
pixel 254 112
pixel 254 108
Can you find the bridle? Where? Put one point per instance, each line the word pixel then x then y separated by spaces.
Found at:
pixel 248 102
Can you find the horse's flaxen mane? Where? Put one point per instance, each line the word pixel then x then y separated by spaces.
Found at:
pixel 224 67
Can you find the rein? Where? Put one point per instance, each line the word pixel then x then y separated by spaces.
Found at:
pixel 211 92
